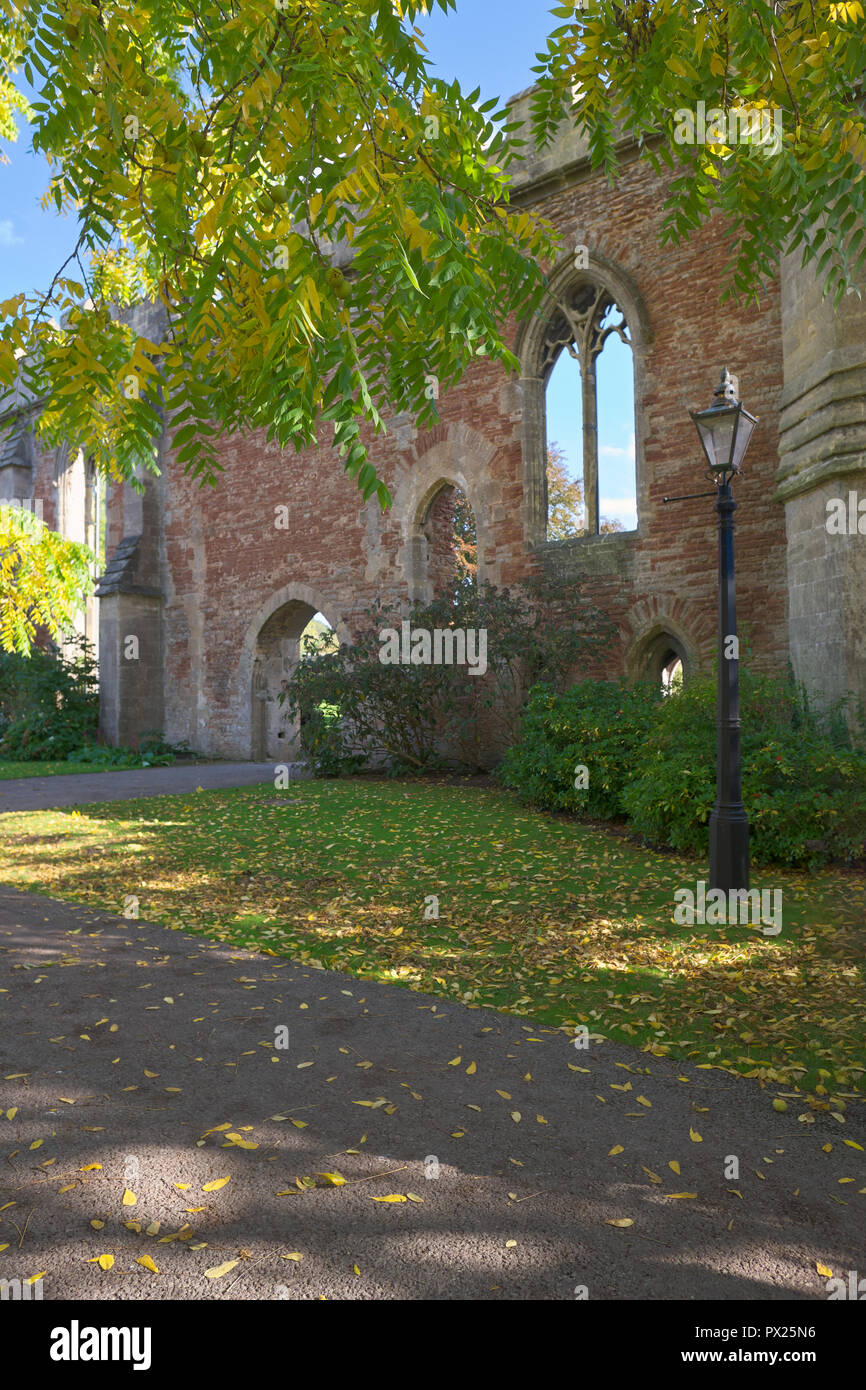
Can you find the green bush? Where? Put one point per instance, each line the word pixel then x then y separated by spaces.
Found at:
pixel 152 751
pixel 49 703
pixel 652 759
pixel 418 717
pixel 602 725
pixel 804 780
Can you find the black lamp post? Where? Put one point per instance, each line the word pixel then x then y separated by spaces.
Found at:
pixel 725 430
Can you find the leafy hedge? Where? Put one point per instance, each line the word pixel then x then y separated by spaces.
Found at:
pixel 49 703
pixel 652 761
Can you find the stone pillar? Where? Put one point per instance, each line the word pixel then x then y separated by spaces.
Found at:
pixel 131 595
pixel 822 451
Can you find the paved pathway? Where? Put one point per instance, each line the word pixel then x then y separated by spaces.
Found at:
pixel 523 1149
pixel 125 784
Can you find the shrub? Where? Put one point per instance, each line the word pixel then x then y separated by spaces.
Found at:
pixel 652 759
pixel 602 725
pixel 49 702
pixel 426 716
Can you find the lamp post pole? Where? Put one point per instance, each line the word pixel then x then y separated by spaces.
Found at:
pixel 729 825
pixel 724 431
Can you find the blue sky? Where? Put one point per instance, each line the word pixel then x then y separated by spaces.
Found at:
pixel 491 44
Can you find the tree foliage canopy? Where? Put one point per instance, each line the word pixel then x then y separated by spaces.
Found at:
pixel 630 68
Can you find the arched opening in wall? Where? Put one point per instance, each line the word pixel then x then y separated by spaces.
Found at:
pixel 588 371
pixel 294 630
pixel 451 537
pixel 672 673
pixel 663 659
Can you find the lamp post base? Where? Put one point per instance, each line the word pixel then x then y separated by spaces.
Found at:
pixel 729 849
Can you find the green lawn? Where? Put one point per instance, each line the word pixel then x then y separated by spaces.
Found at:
pixel 37 769
pixel 538 915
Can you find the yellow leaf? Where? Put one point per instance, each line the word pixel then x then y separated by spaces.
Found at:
pixel 133 1226
pixel 852 1145
pixel 356 1269
pixel 642 1100
pixel 510 1244
pixel 694 1136
pixel 470 1070
pixel 218 1271
pixel 822 1269
pixel 129 1198
pixel 10 1114
pixel 653 1177
pixel 36 1144
pixel 391 1197
pixel 34 1278
pixel 515 1115
pixel 413 1197
pixel 216 1184
pixel 504 1095
pixel 332 1179
pixel 151 1074
pixel 617 1149
pixel 621 1221
pixel 147 1262
pixel 674 1166
pixel 455 1061
pixel 241 1143
pixel 153 1228
pixel 295 1255
pixel 182 1186
pixel 97 1225
pixel 541 1120
pixel 680 1194
pixel 104 1261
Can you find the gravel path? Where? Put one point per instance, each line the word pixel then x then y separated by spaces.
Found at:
pixel 124 784
pixel 99 1099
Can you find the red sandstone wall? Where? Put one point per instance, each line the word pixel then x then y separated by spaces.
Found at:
pixel 225 559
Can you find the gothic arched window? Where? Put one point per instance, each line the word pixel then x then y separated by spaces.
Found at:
pixel 589 402
pixel 582 357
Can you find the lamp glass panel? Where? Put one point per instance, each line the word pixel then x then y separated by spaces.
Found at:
pixel 744 434
pixel 716 436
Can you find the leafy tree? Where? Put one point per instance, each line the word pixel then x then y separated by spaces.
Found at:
pixel 635 67
pixel 353 706
pixel 216 155
pixel 44 579
pixel 565 501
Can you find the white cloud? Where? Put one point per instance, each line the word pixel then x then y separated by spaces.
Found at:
pixel 612 451
pixel 7 235
pixel 621 507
